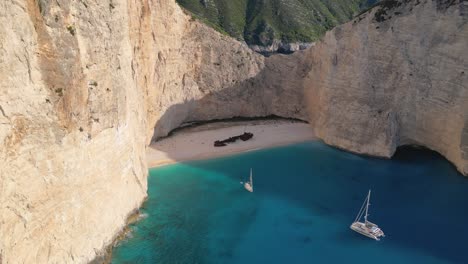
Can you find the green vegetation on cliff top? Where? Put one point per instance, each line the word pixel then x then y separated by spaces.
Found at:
pixel 261 21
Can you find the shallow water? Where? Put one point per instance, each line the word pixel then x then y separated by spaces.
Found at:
pixel 306 196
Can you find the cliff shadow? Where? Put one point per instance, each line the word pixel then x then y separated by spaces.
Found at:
pixel 268 95
pixel 277 90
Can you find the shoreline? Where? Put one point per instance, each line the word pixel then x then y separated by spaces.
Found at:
pixel 173 149
pixel 105 255
pixel 196 143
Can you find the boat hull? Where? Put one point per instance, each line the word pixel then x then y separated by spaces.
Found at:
pixel 248 187
pixel 370 230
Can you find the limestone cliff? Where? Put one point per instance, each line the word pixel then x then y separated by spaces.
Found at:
pixel 71 115
pixel 202 75
pixel 84 87
pixel 396 75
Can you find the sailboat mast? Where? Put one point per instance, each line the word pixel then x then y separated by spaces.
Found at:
pixel 367 206
pixel 251 182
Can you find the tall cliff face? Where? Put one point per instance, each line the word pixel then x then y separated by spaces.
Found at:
pixel 72 157
pixel 202 75
pixel 396 75
pixel 193 61
pixel 84 87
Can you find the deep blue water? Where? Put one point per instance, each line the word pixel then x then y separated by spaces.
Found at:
pixel 306 196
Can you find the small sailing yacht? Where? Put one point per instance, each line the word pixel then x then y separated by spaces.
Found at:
pixel 366 228
pixel 249 185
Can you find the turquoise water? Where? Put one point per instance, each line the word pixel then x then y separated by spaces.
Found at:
pixel 306 196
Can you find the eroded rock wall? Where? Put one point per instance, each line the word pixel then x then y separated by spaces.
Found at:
pixel 84 87
pixel 204 75
pixel 194 61
pixel 72 157
pixel 393 76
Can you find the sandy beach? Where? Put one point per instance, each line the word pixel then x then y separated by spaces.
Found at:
pixel 197 142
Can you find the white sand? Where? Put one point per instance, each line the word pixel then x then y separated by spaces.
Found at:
pixel 197 143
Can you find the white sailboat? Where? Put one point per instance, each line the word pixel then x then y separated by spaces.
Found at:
pixel 249 185
pixel 366 228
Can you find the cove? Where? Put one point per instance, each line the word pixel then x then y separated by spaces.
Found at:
pixel 306 196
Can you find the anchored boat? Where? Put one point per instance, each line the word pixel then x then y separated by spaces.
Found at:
pixel 249 185
pixel 366 228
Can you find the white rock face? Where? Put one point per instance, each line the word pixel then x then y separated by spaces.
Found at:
pixel 84 86
pixel 193 63
pixel 394 76
pixel 279 47
pixel 202 75
pixel 72 157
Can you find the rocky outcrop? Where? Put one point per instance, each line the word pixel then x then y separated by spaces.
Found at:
pixel 280 47
pixel 396 75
